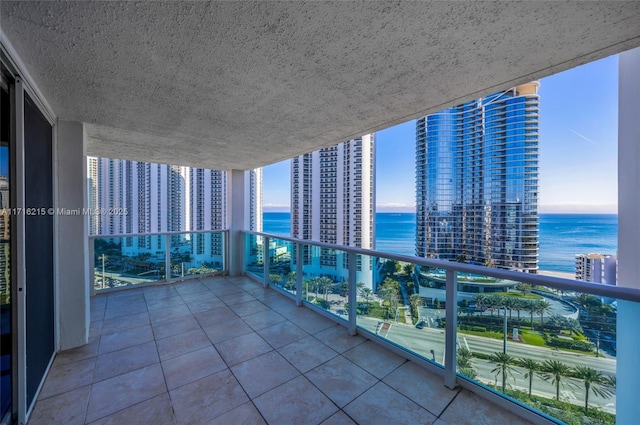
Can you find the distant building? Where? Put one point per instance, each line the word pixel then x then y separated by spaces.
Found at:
pixel 164 198
pixel 5 238
pixel 598 268
pixel 333 201
pixel 477 181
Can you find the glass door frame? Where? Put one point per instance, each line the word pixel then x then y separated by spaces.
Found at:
pixel 20 411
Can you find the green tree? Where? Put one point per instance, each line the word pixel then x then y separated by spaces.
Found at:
pixel 390 268
pixel 504 367
pixel 532 367
pixel 518 305
pixel 594 382
pixel 530 307
pixel 291 280
pixel 525 288
pixel 416 301
pixel 408 269
pixel 480 300
pixel 390 290
pixel 587 301
pixel 275 279
pixel 366 293
pixel 324 285
pixel 542 307
pixel 555 370
pixel 464 363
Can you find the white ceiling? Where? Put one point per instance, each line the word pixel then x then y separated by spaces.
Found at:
pixel 237 85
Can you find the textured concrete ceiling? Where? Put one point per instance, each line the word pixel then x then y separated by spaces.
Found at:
pixel 244 84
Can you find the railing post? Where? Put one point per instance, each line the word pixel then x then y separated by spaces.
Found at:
pixel 451 326
pixel 352 298
pixel 92 267
pixel 299 274
pixel 225 251
pixel 265 260
pixel 167 257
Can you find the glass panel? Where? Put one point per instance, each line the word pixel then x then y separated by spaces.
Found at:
pixel 325 279
pixel 281 267
pixel 6 340
pixel 128 260
pixel 195 254
pixel 253 255
pixel 403 308
pixel 556 345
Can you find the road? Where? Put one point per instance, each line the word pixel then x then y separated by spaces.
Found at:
pixel 422 341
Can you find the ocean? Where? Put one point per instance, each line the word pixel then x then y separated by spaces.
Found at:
pixel 561 235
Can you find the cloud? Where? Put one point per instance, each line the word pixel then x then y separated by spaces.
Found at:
pixel 578 209
pixel 395 207
pixel 276 208
pixel 582 136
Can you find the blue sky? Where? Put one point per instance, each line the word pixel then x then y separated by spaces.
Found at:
pixel 578 149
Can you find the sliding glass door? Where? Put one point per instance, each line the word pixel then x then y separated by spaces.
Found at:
pixel 38 173
pixel 7 304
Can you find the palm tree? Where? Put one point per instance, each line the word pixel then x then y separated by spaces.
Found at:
pixel 530 306
pixel 517 305
pixel 503 362
pixel 291 280
pixel 593 381
pixel 416 301
pixel 531 367
pixel 542 306
pixel 586 300
pixel 463 361
pixel 555 370
pixel 366 293
pixel 509 302
pixel 480 300
pixel 275 279
pixel 325 284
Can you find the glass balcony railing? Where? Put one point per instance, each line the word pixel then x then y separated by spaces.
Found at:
pixel 135 259
pixel 545 346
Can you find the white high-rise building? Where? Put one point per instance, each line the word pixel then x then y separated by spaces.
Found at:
pixel 333 201
pixel 598 268
pixel 142 197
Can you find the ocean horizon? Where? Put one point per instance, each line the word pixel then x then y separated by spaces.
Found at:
pixel 561 236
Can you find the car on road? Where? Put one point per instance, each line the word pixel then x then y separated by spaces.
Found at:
pixel 421 323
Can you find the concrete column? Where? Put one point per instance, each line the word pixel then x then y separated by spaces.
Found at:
pixel 238 212
pixel 72 243
pixel 628 335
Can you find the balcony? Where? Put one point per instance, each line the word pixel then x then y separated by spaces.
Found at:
pixel 201 349
pixel 226 350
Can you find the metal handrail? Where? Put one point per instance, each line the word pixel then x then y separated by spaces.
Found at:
pixel 563 284
pixel 178 232
pixel 449 372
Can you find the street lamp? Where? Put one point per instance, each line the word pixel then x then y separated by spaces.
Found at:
pixel 103 257
pixel 504 339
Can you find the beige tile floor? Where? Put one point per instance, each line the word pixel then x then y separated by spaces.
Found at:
pixel 226 351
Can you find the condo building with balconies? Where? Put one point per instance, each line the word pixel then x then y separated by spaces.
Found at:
pixel 477 181
pixel 333 201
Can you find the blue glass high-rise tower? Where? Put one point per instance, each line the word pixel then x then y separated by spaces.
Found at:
pixel 477 181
